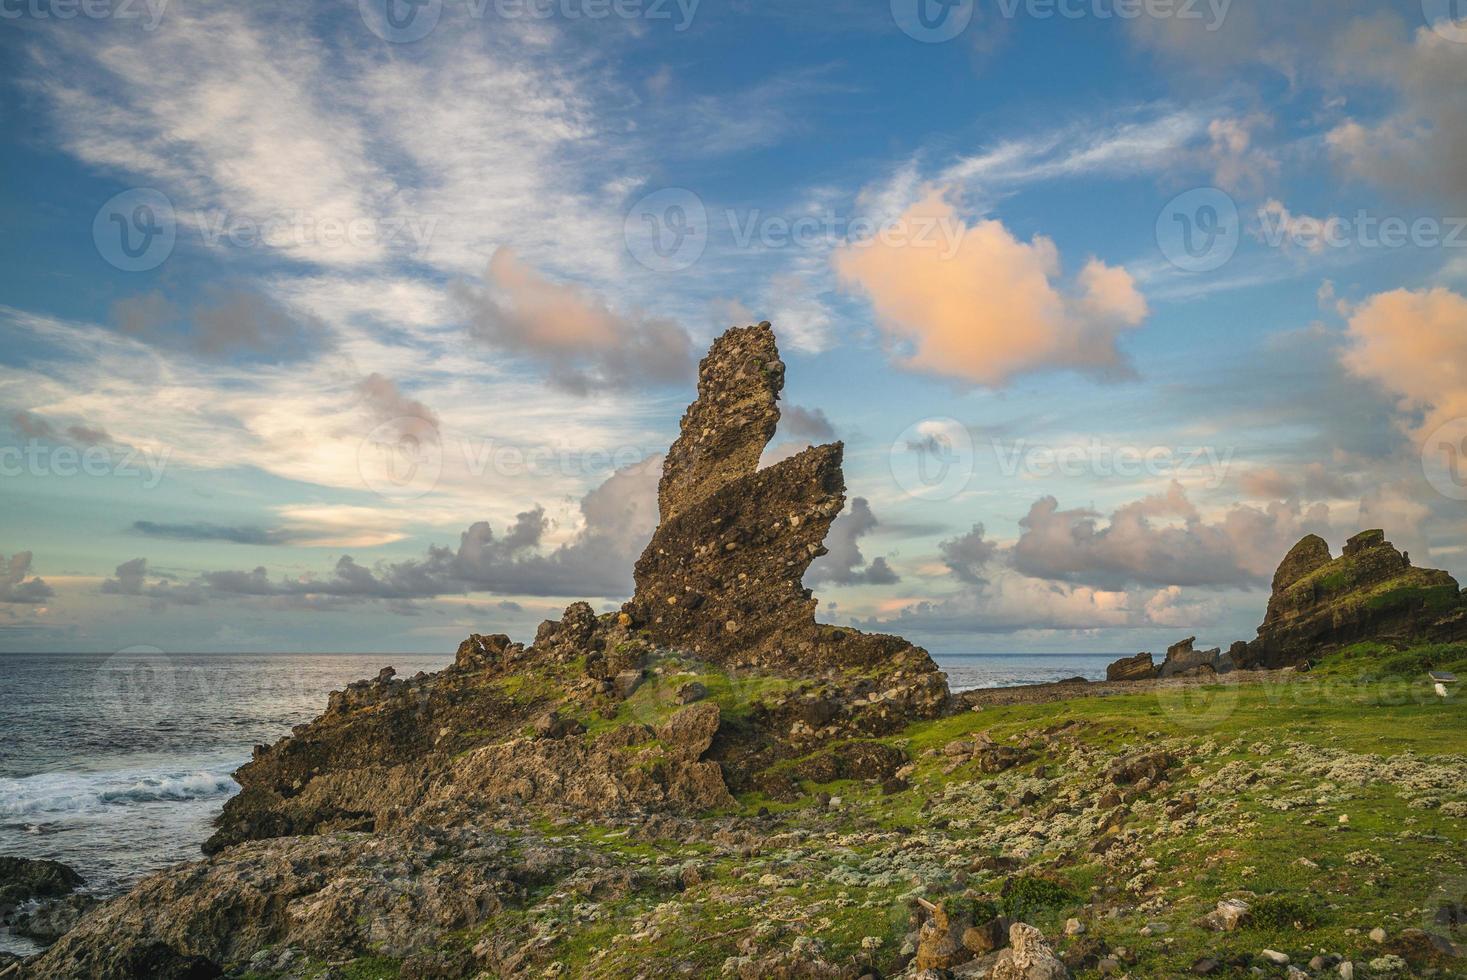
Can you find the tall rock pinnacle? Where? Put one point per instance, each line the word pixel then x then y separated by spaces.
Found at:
pixel 722 576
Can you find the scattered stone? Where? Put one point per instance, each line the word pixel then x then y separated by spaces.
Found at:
pixel 1027 958
pixel 1275 957
pixel 1228 916
pixel 1377 935
pixel 690 692
pixel 1074 927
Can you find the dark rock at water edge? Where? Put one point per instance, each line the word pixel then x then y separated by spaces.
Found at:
pixel 26 879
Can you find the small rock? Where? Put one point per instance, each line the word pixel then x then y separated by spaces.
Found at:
pixel 1275 957
pixel 1205 967
pixel 1377 935
pixel 690 692
pixel 1074 927
pixel 1346 970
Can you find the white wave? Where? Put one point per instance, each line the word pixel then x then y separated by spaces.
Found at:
pixel 77 792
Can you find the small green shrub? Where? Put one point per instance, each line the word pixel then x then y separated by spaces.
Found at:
pixel 1288 912
pixel 1024 896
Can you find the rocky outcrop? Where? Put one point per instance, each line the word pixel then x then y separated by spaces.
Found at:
pixel 1371 592
pixel 1182 660
pixel 722 575
pixel 1141 667
pixel 25 879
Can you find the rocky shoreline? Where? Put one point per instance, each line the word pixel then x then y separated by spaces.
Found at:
pixel 710 782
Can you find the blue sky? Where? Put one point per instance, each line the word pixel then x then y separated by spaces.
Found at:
pixel 328 332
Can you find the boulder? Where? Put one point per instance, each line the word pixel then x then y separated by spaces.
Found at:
pixel 1028 957
pixel 1141 667
pixel 25 879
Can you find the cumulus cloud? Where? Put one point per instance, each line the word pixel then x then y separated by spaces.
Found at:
pixel 228 321
pixel 968 555
pixel 1010 603
pixel 618 518
pixel 1413 344
pixel 574 334
pixel 1239 164
pixel 798 422
pixel 18 585
pixel 1162 540
pixel 1313 481
pixel 976 304
pixel 1419 145
pixel 845 565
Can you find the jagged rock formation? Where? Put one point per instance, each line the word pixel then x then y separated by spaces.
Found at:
pixel 621 714
pixel 723 572
pixel 1371 592
pixel 719 584
pixel 1184 661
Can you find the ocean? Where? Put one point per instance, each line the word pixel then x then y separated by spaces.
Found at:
pixel 116 764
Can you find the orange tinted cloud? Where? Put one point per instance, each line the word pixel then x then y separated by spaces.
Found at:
pixel 975 303
pixel 1414 344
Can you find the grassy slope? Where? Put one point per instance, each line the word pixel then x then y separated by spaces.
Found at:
pixel 1273 768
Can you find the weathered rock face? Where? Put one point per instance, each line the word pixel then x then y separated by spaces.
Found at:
pixel 1184 661
pixel 1371 592
pixel 1141 667
pixel 23 879
pixel 723 573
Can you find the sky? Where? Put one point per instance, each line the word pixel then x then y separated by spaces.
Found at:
pixel 361 326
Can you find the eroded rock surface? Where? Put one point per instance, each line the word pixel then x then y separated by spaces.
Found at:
pixel 1371 592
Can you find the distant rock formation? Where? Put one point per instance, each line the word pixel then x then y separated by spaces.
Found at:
pixel 1371 592
pixel 1321 603
pixel 1183 661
